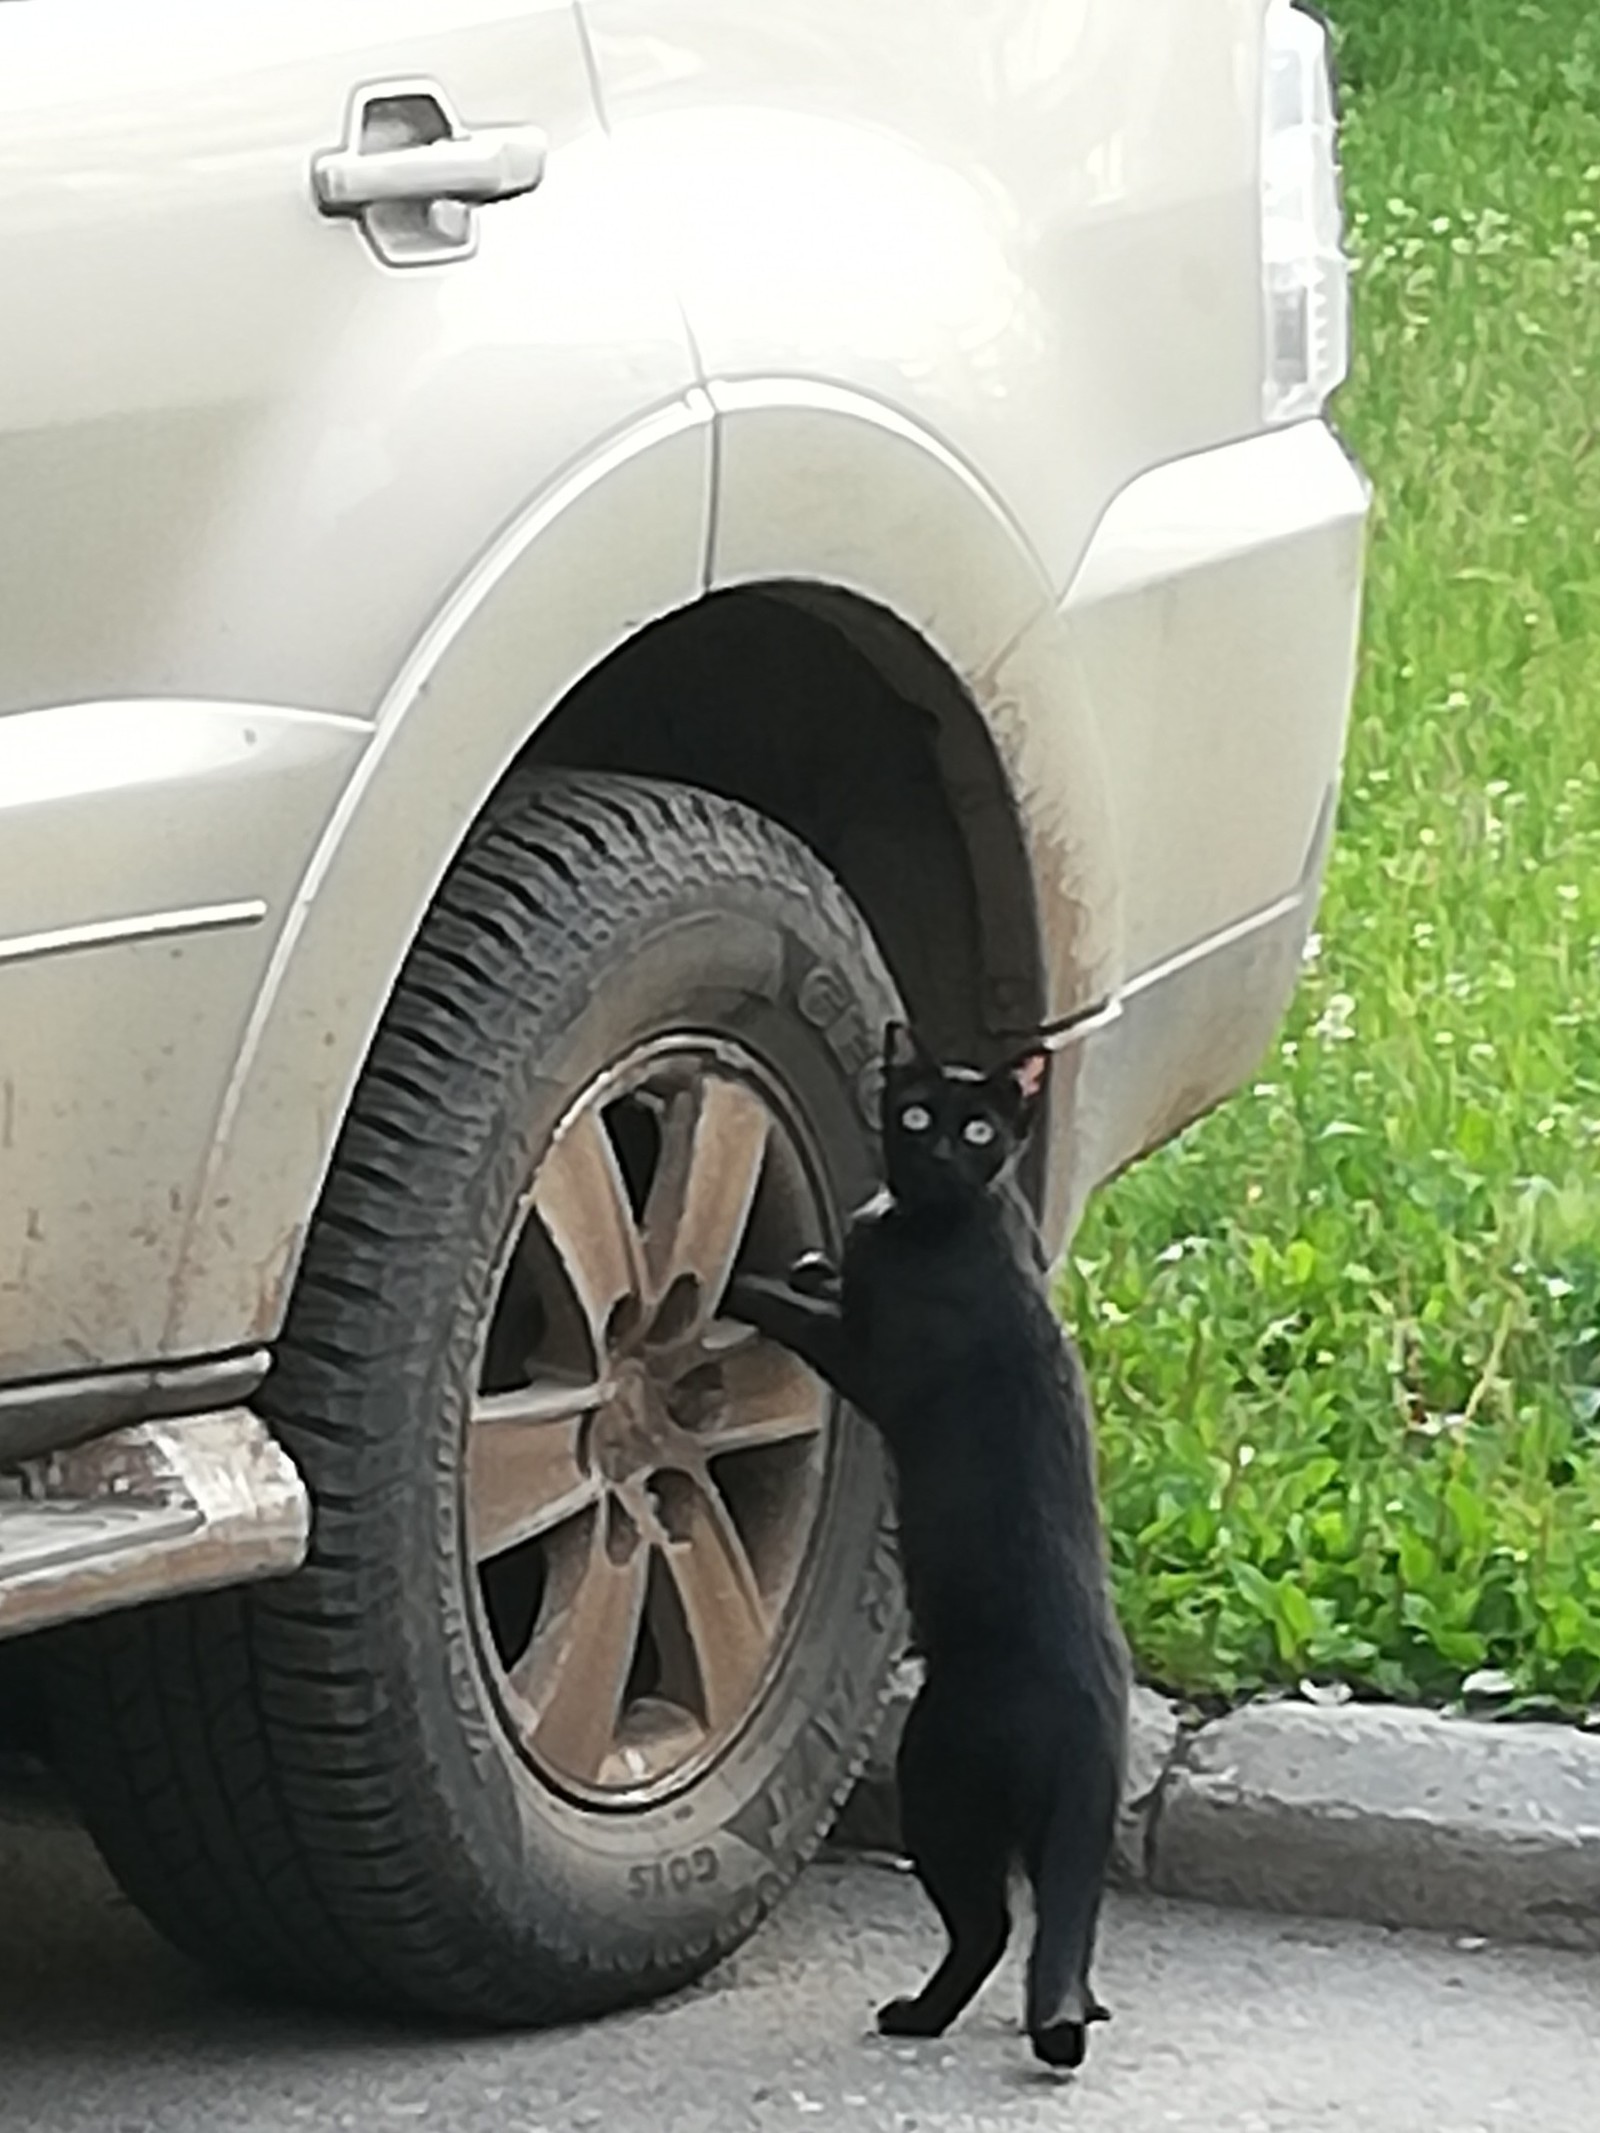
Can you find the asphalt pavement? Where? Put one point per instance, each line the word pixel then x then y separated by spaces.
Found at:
pixel 1223 2020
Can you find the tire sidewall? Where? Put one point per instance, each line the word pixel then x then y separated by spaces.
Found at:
pixel 592 1904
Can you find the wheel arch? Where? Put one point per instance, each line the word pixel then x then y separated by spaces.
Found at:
pixel 826 668
pixel 832 716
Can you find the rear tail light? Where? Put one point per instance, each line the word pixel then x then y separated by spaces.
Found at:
pixel 1305 276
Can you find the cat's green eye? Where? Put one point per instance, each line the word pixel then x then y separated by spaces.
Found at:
pixel 916 1118
pixel 977 1132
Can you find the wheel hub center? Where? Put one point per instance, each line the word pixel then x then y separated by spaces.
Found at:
pixel 633 1431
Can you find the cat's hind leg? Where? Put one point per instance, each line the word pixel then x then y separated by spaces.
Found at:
pixel 958 1845
pixel 1068 1872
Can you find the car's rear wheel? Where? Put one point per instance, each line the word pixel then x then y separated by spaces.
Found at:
pixel 599 1604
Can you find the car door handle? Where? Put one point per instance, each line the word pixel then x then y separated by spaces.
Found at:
pixel 489 163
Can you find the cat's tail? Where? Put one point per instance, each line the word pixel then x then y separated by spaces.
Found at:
pixel 1068 1874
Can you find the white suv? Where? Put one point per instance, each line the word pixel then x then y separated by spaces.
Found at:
pixel 559 563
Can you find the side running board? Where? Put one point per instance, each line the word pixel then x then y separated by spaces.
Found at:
pixel 156 1509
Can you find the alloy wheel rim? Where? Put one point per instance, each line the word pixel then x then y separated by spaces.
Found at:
pixel 643 1476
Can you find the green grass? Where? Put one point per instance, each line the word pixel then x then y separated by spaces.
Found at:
pixel 1346 1333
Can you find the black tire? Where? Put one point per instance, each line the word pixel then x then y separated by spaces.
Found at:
pixel 21 1712
pixel 308 1780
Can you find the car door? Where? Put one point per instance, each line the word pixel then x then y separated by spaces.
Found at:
pixel 301 307
pixel 245 447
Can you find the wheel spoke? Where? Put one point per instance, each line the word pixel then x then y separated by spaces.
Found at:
pixel 581 1199
pixel 714 1142
pixel 724 1611
pixel 523 1472
pixel 577 1667
pixel 769 1397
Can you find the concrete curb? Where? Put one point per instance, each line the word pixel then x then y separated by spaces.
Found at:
pixel 1399 1817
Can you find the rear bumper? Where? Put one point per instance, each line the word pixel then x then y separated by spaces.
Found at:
pixel 1179 1039
pixel 1215 621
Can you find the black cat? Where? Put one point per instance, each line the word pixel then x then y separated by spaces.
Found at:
pixel 938 1328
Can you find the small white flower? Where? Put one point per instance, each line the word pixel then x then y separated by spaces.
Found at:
pixel 1488 1681
pixel 1334 1023
pixel 1326 1692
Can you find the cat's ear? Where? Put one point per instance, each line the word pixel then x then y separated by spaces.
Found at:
pixel 1024 1080
pixel 903 1049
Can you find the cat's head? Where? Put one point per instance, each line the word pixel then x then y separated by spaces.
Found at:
pixel 949 1132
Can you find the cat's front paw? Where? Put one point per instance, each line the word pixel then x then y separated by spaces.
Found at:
pixel 907 2018
pixel 814 1274
pixel 756 1300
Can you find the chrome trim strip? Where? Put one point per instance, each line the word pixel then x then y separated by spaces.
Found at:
pixel 1104 1012
pixel 1097 1017
pixel 101 932
pixel 1213 944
